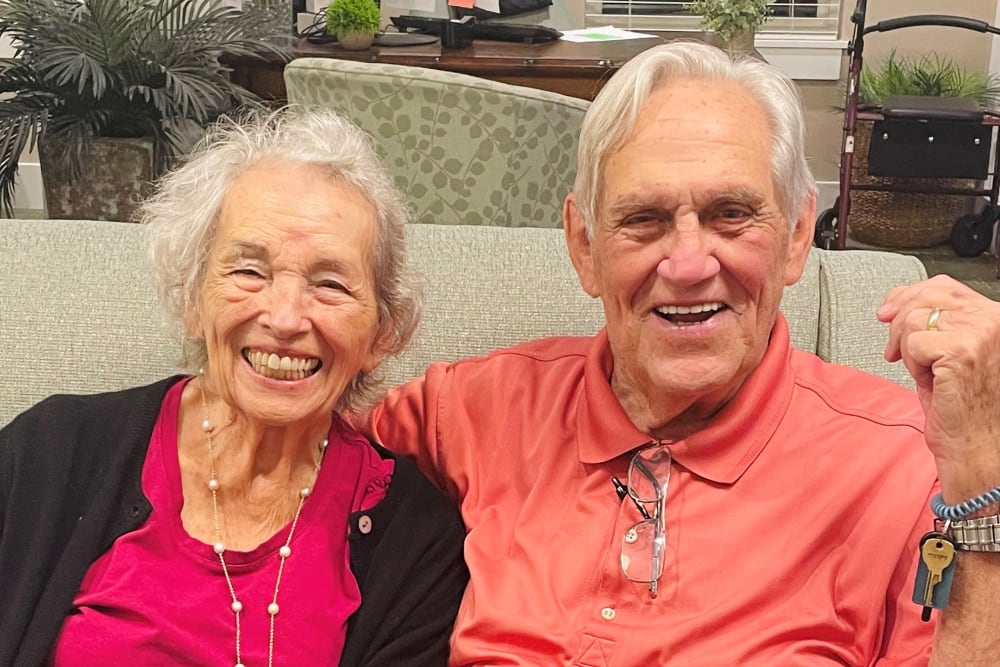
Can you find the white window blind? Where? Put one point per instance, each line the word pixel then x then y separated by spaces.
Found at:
pixel 801 18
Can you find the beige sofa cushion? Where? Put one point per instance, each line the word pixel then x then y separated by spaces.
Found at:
pixel 78 313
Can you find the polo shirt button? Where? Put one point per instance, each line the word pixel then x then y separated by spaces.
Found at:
pixel 608 614
pixel 365 524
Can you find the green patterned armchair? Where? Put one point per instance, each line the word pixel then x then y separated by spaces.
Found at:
pixel 465 150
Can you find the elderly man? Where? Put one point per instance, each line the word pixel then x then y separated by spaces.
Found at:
pixel 684 488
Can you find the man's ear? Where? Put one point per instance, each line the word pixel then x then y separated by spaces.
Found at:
pixel 800 242
pixel 578 243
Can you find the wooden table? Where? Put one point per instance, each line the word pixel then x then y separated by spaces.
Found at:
pixel 571 68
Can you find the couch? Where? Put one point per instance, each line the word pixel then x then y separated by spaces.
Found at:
pixel 78 313
pixel 465 150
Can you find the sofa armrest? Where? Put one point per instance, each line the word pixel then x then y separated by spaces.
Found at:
pixel 852 285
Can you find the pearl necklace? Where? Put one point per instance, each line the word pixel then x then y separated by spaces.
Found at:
pixel 220 548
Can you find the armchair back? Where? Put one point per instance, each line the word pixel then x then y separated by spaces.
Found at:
pixel 465 150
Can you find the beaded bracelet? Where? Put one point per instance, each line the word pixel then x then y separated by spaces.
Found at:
pixel 965 509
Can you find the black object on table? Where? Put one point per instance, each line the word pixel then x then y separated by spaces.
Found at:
pixel 493 30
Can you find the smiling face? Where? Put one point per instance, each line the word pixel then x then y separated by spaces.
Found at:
pixel 288 304
pixel 690 252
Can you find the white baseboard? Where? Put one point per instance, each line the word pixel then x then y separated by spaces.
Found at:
pixel 28 193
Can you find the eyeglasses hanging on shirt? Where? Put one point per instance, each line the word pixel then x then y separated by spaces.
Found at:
pixel 644 542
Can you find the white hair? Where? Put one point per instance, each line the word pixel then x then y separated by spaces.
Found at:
pixel 611 119
pixel 182 218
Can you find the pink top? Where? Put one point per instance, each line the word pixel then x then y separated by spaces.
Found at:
pixel 158 596
pixel 792 519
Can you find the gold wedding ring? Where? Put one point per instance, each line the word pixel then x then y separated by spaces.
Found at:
pixel 932 319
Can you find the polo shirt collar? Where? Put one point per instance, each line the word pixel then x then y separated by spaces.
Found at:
pixel 722 451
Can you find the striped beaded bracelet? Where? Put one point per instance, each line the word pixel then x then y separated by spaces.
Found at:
pixel 964 509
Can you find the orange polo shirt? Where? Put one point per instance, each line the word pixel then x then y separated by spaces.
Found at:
pixel 792 520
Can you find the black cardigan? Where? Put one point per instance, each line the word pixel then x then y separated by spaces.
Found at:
pixel 70 485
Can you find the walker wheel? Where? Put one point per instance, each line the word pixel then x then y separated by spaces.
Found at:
pixel 972 233
pixel 825 235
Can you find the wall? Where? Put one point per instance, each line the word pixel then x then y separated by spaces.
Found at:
pixel 964 46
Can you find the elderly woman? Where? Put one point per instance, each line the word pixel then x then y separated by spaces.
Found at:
pixel 232 517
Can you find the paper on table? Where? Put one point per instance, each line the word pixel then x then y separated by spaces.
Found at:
pixel 602 34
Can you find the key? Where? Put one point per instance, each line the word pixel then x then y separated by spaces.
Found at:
pixel 934 573
pixel 937 555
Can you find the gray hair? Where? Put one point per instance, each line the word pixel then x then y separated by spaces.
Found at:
pixel 611 119
pixel 181 220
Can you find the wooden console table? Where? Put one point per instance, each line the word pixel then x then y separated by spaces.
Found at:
pixel 571 68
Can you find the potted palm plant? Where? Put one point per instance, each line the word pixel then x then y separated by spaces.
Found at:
pixel 95 81
pixel 734 21
pixel 354 22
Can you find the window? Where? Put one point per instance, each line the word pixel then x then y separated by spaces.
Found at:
pixel 800 39
pixel 802 18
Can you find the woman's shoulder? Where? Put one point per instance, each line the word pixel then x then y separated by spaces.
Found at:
pixel 82 417
pixel 411 493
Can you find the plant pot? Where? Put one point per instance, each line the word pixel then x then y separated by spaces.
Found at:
pixel 740 44
pixel 116 175
pixel 355 41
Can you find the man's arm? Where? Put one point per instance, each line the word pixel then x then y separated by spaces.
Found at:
pixel 407 421
pixel 967 632
pixel 948 336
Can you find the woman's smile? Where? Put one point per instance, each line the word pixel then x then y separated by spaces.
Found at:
pixel 277 367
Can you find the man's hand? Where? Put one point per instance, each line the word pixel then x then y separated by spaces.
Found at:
pixel 948 337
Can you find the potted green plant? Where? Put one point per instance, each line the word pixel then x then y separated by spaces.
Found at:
pixel 87 77
pixel 354 22
pixel 910 219
pixel 927 75
pixel 734 21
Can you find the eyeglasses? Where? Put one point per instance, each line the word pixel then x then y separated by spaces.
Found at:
pixel 644 542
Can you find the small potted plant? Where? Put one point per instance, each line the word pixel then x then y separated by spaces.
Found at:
pixel 735 21
pixel 354 22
